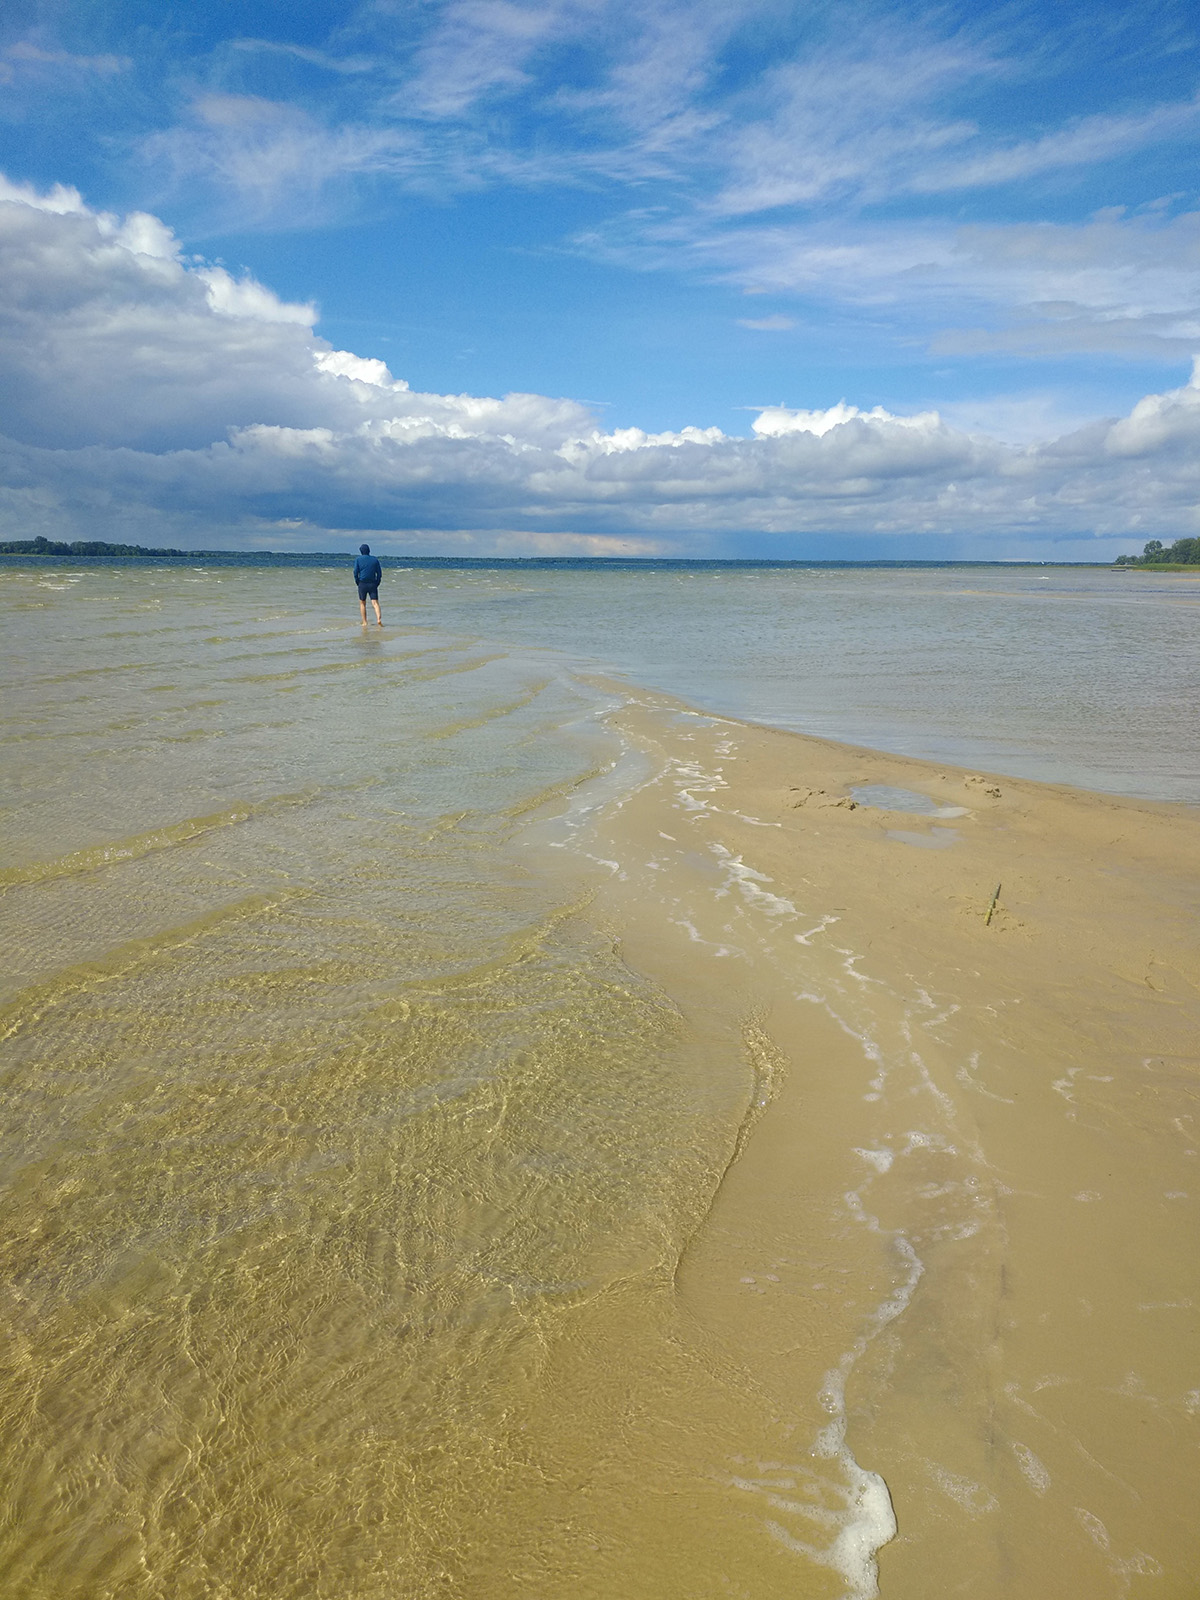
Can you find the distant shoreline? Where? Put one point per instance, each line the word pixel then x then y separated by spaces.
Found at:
pixel 297 558
pixel 1162 566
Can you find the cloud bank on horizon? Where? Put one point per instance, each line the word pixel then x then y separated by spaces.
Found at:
pixel 902 195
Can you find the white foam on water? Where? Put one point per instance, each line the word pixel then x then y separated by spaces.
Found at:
pixel 1032 1470
pixel 1138 1565
pixel 915 1139
pixel 1094 1528
pixel 948 1010
pixel 848 1515
pixel 747 881
pixel 865 1520
pixel 945 1103
pixel 611 788
pixel 869 1520
pixel 866 1043
pixel 697 937
pixel 881 1160
pixel 694 778
pixel 1065 1086
pixel 849 966
pixel 965 1492
pixel 966 1076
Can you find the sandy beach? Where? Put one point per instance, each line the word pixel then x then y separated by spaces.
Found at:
pixel 988 1124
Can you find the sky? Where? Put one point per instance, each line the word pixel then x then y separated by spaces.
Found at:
pixel 742 278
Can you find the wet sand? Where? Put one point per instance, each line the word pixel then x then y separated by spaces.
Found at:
pixel 974 1169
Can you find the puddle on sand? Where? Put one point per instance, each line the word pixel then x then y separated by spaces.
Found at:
pixel 887 797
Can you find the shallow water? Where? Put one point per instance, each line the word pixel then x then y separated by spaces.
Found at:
pixel 1083 676
pixel 324 1105
pixel 348 1168
pixel 887 797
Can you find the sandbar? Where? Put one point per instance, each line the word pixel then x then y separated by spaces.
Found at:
pixel 967 1187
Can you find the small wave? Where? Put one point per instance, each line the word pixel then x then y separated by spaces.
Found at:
pixel 133 848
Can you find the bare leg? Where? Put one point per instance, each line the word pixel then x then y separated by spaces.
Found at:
pixel 362 606
pixel 378 616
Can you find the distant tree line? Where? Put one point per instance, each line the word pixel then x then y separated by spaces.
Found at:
pixel 77 547
pixel 1183 553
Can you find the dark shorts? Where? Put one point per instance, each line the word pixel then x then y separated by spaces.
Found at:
pixel 368 591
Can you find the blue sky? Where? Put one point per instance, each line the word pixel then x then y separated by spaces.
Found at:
pixel 976 226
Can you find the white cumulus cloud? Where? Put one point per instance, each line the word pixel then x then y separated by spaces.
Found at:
pixel 143 391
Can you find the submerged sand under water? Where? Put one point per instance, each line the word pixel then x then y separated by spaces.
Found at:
pixel 473 1129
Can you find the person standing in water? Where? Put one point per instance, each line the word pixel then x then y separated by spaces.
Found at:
pixel 367 575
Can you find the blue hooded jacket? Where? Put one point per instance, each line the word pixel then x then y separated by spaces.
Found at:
pixel 367 569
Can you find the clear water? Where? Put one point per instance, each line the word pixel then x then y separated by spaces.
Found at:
pixel 1076 675
pixel 1086 677
pixel 887 797
pixel 326 1113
